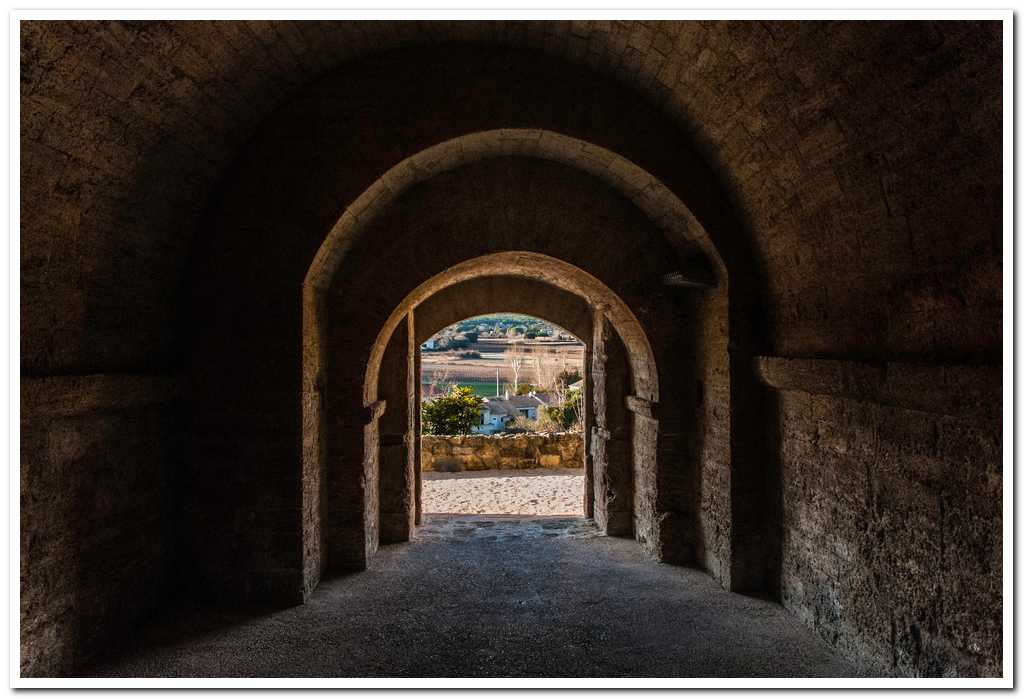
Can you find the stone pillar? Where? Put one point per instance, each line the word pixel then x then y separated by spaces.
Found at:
pixel 610 437
pixel 353 528
pixel 588 427
pixel 646 454
pixel 397 431
pixel 371 478
pixel 417 430
pixel 667 440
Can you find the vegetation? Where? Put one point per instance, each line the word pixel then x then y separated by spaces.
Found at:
pixel 543 423
pixel 569 376
pixel 568 414
pixel 503 324
pixel 455 412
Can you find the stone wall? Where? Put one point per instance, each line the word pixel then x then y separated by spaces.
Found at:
pixel 478 452
pixel 100 468
pixel 892 507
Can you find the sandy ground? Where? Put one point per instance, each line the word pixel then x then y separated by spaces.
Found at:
pixel 554 491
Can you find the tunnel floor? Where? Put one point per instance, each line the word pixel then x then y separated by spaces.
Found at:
pixel 492 596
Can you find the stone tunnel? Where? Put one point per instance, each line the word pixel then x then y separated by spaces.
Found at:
pixel 780 240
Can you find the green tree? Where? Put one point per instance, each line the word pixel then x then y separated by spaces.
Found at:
pixel 456 412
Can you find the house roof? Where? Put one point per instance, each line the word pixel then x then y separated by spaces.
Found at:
pixel 503 406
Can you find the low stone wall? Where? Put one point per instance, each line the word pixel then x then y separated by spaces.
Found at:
pixel 478 452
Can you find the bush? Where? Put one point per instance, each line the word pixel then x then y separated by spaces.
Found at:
pixel 569 377
pixel 471 354
pixel 543 423
pixel 566 415
pixel 456 412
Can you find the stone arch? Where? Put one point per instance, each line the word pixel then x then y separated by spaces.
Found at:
pixel 551 271
pixel 623 466
pixel 289 186
pixel 401 488
pixel 659 205
pixel 502 294
pixel 658 202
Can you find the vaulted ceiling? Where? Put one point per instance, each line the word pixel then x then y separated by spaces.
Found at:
pixel 864 159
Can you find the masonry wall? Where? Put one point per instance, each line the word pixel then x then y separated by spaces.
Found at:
pixel 892 501
pixel 504 451
pixel 100 497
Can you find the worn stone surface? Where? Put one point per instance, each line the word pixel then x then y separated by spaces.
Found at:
pixel 100 504
pixel 502 451
pixel 496 597
pixel 893 518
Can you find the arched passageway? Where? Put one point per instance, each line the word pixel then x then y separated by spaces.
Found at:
pixel 623 381
pixel 667 507
pixel 222 221
pixel 663 268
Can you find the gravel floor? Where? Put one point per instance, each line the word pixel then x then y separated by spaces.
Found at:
pixel 506 492
pixel 475 596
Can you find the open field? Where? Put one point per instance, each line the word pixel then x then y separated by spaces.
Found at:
pixel 540 359
pixel 494 355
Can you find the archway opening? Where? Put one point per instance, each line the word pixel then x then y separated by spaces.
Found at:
pixel 502 412
pixel 647 288
pixel 622 463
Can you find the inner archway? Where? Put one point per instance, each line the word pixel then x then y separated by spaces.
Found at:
pixel 623 388
pixel 678 517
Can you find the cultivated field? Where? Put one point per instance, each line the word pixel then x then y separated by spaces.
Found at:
pixel 542 360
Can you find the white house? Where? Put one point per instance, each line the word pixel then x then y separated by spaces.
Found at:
pixel 429 344
pixel 497 412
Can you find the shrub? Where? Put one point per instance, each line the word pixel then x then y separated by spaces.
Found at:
pixel 569 377
pixel 543 423
pixel 456 412
pixel 567 415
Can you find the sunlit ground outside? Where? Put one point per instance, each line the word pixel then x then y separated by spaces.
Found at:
pixel 505 492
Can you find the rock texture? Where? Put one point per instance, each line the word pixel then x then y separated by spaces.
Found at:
pixel 512 451
pixel 100 508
